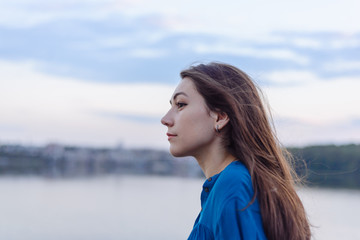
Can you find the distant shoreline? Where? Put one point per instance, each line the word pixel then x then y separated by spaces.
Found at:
pixel 327 166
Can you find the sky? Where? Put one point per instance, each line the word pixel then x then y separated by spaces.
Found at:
pixel 101 73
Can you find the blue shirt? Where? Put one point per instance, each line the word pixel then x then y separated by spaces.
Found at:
pixel 223 199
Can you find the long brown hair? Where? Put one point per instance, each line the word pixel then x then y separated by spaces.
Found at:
pixel 250 137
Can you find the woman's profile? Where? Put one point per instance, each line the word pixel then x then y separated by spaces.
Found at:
pixel 217 116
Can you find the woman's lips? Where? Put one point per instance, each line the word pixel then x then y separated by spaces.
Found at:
pixel 170 136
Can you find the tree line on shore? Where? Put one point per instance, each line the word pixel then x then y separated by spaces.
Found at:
pixel 328 165
pixel 324 165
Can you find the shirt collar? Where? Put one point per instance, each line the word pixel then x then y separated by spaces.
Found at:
pixel 207 187
pixel 209 184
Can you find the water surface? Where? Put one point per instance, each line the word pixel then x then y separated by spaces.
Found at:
pixel 133 207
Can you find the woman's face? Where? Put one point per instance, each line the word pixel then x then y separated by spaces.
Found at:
pixel 191 126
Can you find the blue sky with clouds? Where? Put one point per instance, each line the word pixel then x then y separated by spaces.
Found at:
pixel 101 72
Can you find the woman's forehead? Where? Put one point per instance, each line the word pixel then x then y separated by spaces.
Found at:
pixel 186 85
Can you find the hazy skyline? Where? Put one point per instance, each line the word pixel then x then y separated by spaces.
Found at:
pixel 101 72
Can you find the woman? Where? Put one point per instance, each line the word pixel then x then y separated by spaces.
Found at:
pixel 217 116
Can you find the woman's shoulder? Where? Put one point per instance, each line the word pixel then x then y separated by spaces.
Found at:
pixel 236 173
pixel 234 182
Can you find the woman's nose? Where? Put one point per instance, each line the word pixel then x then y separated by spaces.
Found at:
pixel 167 120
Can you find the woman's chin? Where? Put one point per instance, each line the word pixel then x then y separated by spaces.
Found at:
pixel 177 152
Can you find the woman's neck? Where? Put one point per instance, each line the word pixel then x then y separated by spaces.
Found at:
pixel 214 160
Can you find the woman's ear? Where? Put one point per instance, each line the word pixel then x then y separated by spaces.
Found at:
pixel 221 119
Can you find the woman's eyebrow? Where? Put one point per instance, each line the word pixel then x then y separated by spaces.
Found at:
pixel 177 94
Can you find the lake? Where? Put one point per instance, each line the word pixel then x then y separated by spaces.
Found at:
pixel 139 207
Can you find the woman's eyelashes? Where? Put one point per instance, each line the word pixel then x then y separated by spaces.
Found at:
pixel 180 104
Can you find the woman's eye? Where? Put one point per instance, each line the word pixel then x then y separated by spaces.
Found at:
pixel 180 104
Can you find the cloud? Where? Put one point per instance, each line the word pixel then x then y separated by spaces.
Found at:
pixel 119 43
pixel 251 18
pixel 229 17
pixel 150 53
pixel 290 77
pixel 141 118
pixel 27 14
pixel 341 65
pixel 50 108
pixel 321 40
pixel 38 108
pixel 293 132
pixel 312 98
pixel 306 42
pixel 346 42
pixel 86 68
pixel 266 53
pixel 128 39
